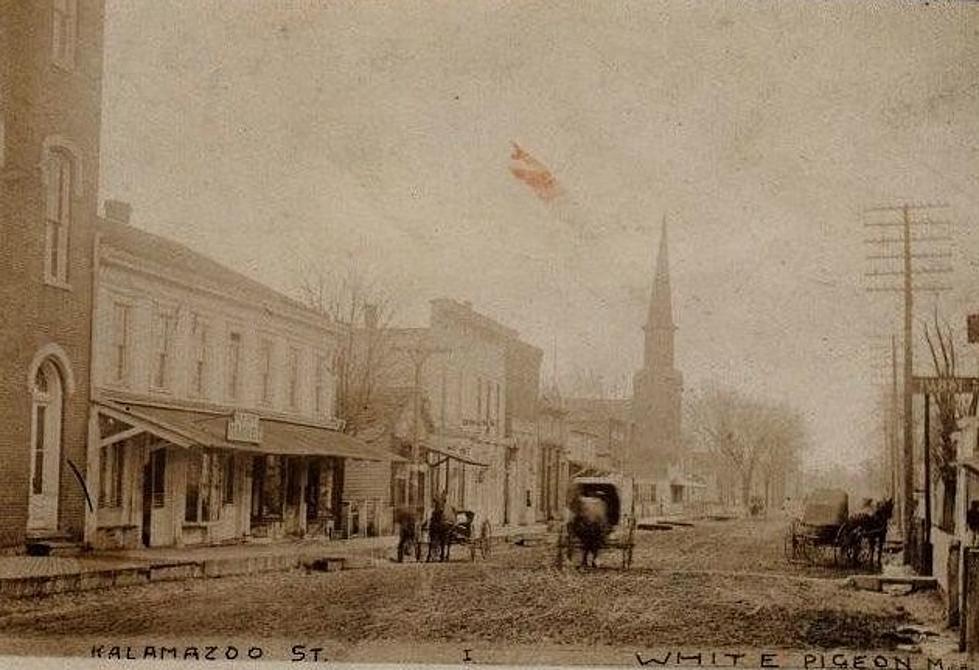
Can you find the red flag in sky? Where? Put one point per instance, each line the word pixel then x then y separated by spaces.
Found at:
pixel 532 172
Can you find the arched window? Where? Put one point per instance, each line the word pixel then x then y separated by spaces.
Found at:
pixel 47 402
pixel 64 32
pixel 59 186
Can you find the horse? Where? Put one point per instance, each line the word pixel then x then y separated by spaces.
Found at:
pixel 589 524
pixel 870 526
pixel 407 533
pixel 439 529
pixel 876 530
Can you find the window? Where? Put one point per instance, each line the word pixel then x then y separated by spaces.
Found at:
pixel 234 365
pixel 199 372
pixel 498 421
pixel 158 472
pixel 318 385
pixel 265 360
pixel 228 479
pixel 163 347
pixel 110 479
pixel 210 483
pixel 57 214
pixel 293 377
pixel 64 32
pixel 37 481
pixel 268 487
pixel 479 399
pixel 121 318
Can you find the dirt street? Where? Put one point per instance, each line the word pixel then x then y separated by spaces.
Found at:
pixel 716 585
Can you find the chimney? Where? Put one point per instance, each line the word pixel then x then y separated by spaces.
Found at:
pixel 370 316
pixel 118 211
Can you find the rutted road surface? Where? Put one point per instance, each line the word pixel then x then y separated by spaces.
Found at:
pixel 715 585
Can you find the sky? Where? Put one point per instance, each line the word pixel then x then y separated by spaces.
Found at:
pixel 272 135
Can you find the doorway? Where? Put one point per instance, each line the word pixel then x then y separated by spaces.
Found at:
pixel 47 397
pixel 154 491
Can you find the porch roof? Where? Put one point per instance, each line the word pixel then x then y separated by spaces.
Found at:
pixel 188 428
pixel 971 462
pixel 455 457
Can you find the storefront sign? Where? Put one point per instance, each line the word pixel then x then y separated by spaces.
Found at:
pixel 244 427
pixel 972 328
pixel 934 385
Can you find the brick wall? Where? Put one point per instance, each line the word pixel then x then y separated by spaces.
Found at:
pixel 39 102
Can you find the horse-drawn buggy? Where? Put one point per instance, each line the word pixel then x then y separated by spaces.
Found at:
pixel 815 533
pixel 827 528
pixel 435 536
pixel 599 516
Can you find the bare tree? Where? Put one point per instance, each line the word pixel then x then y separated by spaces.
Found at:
pixel 752 436
pixel 586 383
pixel 950 409
pixel 363 308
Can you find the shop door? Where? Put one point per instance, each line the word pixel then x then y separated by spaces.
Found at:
pixel 147 523
pixel 154 492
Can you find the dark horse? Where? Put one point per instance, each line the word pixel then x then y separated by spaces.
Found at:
pixel 869 527
pixel 589 524
pixel 407 533
pixel 439 531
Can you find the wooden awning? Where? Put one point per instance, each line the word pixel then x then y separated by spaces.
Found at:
pixel 189 428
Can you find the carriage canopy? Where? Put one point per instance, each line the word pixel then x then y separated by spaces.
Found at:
pixel 826 507
pixel 608 489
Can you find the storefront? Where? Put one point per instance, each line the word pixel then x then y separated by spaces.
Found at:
pixel 171 476
pixel 456 476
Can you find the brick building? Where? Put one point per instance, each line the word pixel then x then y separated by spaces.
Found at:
pixel 50 111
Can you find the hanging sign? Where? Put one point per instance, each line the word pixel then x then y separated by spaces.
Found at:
pixel 244 427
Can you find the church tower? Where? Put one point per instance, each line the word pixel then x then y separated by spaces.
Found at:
pixel 657 386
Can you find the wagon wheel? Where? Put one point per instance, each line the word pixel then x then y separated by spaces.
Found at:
pixel 862 548
pixel 847 545
pixel 485 539
pixel 789 544
pixel 629 544
pixel 807 548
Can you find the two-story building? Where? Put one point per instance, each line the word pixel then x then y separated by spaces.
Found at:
pixel 465 382
pixel 553 470
pixel 523 363
pixel 609 420
pixel 213 413
pixel 50 118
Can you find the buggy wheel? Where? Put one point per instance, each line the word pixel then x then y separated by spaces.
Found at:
pixel 863 550
pixel 485 539
pixel 788 546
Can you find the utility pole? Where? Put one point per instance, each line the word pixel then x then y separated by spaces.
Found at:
pixel 907 272
pixel 419 355
pixel 895 414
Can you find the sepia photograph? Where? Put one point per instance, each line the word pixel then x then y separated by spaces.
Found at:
pixel 514 333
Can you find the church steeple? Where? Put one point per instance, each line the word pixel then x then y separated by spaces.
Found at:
pixel 658 385
pixel 659 321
